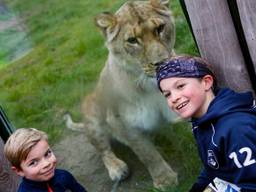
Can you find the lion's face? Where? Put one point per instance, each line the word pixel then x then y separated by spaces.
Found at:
pixel 140 35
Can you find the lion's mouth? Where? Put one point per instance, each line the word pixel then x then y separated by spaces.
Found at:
pixel 150 69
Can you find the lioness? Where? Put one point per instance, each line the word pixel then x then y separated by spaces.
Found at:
pixel 126 100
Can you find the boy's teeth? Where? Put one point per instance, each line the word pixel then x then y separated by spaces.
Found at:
pixel 181 105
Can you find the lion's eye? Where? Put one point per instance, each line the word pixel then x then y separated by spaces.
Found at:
pixel 160 28
pixel 132 40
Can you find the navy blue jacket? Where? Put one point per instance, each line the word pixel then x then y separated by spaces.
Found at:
pixel 61 182
pixel 226 140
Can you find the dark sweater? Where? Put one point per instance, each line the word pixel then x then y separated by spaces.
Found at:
pixel 226 140
pixel 61 181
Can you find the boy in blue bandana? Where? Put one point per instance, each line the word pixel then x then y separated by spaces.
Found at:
pixel 223 122
pixel 31 157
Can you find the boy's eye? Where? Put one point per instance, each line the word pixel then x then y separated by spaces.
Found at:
pixel 48 153
pixel 32 163
pixel 166 95
pixel 180 86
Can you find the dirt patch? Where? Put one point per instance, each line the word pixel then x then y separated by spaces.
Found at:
pixel 77 155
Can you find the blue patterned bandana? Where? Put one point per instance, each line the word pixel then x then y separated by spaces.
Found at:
pixel 181 67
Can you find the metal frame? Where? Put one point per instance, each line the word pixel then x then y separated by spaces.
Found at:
pixel 6 129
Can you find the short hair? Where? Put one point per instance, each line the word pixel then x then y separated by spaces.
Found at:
pixel 185 66
pixel 20 143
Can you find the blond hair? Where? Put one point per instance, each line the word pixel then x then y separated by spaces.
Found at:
pixel 20 144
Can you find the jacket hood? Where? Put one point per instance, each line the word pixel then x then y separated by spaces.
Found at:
pixel 227 101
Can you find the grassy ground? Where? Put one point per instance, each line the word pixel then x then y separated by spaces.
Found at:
pixel 67 56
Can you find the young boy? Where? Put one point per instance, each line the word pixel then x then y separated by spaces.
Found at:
pixel 31 158
pixel 223 122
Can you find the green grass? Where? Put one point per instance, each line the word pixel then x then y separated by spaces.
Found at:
pixel 63 66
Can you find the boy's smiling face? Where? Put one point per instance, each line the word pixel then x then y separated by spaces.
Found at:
pixel 40 163
pixel 188 97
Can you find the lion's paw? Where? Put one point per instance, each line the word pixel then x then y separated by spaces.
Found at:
pixel 118 170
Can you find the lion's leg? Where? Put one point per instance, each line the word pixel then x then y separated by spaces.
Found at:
pixel 161 173
pixel 99 137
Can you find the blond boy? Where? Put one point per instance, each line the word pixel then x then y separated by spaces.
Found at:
pixel 31 158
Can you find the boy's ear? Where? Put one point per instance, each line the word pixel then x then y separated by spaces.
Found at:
pixel 208 82
pixel 18 171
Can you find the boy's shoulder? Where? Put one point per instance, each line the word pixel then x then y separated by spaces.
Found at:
pixel 62 176
pixel 236 123
pixel 237 117
pixel 62 173
pixel 63 179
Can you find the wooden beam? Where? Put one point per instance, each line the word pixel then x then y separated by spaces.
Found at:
pixel 247 12
pixel 217 41
pixel 9 181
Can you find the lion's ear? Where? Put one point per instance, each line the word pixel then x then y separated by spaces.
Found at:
pixel 107 22
pixel 160 3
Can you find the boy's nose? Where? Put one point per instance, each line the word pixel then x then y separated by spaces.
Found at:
pixel 46 163
pixel 174 97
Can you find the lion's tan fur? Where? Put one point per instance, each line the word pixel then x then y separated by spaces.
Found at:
pixel 126 100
